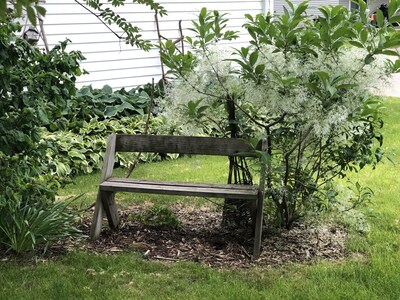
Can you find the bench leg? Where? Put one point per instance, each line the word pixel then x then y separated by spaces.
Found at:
pixel 95 229
pixel 110 208
pixel 258 229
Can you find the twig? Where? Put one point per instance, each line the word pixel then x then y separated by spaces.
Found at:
pixel 245 252
pixel 166 258
pixel 94 14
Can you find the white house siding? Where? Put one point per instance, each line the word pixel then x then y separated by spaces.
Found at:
pixel 373 5
pixel 345 3
pixel 109 60
pixel 313 5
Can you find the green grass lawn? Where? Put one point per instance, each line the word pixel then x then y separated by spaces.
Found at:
pixel 372 272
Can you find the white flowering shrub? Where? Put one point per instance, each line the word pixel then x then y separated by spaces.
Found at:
pixel 303 84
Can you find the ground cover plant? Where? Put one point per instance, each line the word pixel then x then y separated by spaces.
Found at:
pixel 370 271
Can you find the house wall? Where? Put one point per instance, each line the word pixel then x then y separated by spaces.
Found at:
pixel 345 3
pixel 373 5
pixel 313 5
pixel 108 59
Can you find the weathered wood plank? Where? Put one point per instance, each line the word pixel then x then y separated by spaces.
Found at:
pixel 180 183
pixel 109 158
pixel 97 222
pixel 106 172
pixel 110 208
pixel 260 207
pixel 183 145
pixel 190 189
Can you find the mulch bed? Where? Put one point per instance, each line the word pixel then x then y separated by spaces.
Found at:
pixel 200 238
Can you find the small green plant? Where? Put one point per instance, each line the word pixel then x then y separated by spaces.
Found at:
pixel 25 226
pixel 159 216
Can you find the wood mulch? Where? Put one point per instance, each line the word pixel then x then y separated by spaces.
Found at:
pixel 201 239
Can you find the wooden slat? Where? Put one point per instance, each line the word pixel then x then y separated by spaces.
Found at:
pixel 260 207
pixel 110 208
pixel 181 189
pixel 109 158
pixel 183 145
pixel 185 184
pixel 95 228
pixel 106 172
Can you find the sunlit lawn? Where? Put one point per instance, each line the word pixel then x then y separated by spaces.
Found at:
pixel 371 272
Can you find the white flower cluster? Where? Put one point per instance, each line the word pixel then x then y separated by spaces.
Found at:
pixel 209 83
pixel 283 90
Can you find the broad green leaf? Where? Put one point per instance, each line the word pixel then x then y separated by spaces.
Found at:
pixel 249 17
pixel 356 44
pixel 379 18
pixel 259 69
pixel 395 19
pixel 364 35
pixel 31 13
pixel 253 58
pixel 75 153
pixel 41 10
pixel 107 89
pixel 209 37
pixel 110 111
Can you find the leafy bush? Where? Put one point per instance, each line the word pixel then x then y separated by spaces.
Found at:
pixel 81 150
pixel 34 88
pixel 302 84
pixel 101 104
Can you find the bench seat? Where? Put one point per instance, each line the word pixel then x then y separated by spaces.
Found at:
pixel 234 191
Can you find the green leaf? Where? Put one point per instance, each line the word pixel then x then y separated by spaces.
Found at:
pixel 364 35
pixel 209 37
pixel 74 153
pixel 31 15
pixel 332 90
pixel 253 58
pixel 390 52
pixel 356 44
pixel 43 116
pixel 203 12
pixel 249 17
pixel 107 89
pixel 315 88
pixel 379 18
pixel 394 19
pixel 391 9
pixel 369 59
pixel 3 9
pixel 259 69
pixel 41 10
pixel 110 111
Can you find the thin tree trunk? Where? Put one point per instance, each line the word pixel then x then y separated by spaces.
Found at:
pixel 236 212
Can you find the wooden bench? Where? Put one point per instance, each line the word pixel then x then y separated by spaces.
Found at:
pixel 109 185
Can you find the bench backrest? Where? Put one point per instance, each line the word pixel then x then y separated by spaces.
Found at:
pixel 183 145
pixel 171 144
